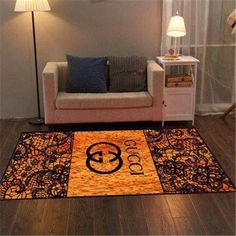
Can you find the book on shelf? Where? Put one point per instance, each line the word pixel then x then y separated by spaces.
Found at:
pixel 179 84
pixel 178 78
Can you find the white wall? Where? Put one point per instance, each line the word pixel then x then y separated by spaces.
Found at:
pixel 78 27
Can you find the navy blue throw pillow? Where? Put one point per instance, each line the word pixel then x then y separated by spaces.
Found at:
pixel 87 74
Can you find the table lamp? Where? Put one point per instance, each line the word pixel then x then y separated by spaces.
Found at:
pixel 32 6
pixel 176 29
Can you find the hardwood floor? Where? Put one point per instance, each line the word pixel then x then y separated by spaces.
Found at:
pixel 184 214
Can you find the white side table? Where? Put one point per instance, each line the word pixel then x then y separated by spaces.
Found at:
pixel 179 102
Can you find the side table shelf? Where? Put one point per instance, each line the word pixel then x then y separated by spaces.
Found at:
pixel 179 102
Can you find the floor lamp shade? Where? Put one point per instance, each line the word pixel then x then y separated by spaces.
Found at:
pixel 32 5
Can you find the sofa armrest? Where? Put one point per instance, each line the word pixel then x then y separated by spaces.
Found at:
pixel 155 78
pixel 155 83
pixel 50 90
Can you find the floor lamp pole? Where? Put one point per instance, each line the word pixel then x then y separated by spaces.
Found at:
pixel 38 120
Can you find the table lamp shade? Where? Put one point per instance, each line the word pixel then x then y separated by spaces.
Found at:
pixel 176 27
pixel 32 5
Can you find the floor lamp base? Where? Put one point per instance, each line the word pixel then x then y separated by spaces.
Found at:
pixel 36 121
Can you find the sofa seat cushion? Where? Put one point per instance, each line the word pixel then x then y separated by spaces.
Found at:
pixel 103 100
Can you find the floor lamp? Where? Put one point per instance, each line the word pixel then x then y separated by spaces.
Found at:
pixel 32 6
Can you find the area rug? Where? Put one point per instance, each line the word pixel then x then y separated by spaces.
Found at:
pixel 99 163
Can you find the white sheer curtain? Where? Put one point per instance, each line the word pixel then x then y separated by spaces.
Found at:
pixel 210 40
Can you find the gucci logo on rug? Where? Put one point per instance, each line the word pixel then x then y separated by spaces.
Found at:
pixel 104 158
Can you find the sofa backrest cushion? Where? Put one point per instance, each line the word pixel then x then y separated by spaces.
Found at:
pixel 63 75
pixel 127 74
pixel 87 74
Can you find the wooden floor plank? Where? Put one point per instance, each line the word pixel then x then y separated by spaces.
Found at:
pixel 227 203
pixel 106 216
pixel 28 217
pixel 81 216
pixel 54 217
pixel 158 215
pixel 183 211
pixel 132 217
pixel 8 215
pixel 213 220
pixel 185 226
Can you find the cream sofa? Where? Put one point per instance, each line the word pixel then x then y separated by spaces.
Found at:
pixel 61 107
